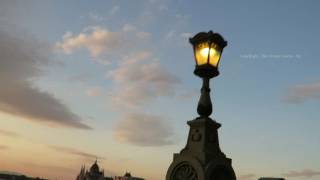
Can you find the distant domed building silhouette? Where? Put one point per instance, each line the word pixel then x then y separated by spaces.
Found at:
pixel 93 174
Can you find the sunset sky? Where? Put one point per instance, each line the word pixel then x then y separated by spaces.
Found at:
pixel 113 80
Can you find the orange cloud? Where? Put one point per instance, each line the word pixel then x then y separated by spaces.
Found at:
pixel 307 173
pixel 8 133
pixel 301 93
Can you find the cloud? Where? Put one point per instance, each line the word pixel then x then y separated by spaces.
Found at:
pixel 143 130
pixel 75 152
pixel 8 133
pixel 98 40
pixel 3 147
pixel 246 177
pixel 307 173
pixel 302 93
pixel 22 60
pixel 101 42
pixel 139 80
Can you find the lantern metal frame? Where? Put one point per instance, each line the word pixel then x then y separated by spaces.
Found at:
pixel 207 70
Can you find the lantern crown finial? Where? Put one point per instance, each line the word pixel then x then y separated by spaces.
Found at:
pixel 208 36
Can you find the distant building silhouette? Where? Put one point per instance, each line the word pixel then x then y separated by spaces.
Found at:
pixel 7 176
pixel 127 176
pixel 93 174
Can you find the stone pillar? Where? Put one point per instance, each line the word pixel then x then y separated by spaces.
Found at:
pixel 202 158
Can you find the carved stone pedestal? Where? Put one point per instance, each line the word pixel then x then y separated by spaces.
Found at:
pixel 202 158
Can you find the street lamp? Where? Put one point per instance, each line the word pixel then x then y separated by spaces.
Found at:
pixel 202 158
pixel 207 47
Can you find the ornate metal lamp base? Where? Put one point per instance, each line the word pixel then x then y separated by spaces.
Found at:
pixel 202 158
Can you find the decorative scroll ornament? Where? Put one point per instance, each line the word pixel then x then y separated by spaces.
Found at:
pixel 184 171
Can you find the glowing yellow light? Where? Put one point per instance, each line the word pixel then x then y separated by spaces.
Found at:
pixel 206 55
pixel 205 52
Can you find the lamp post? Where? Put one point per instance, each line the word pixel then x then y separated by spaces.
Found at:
pixel 202 159
pixel 207 49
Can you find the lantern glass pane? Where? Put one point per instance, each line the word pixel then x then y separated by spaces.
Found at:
pixel 215 53
pixel 202 53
